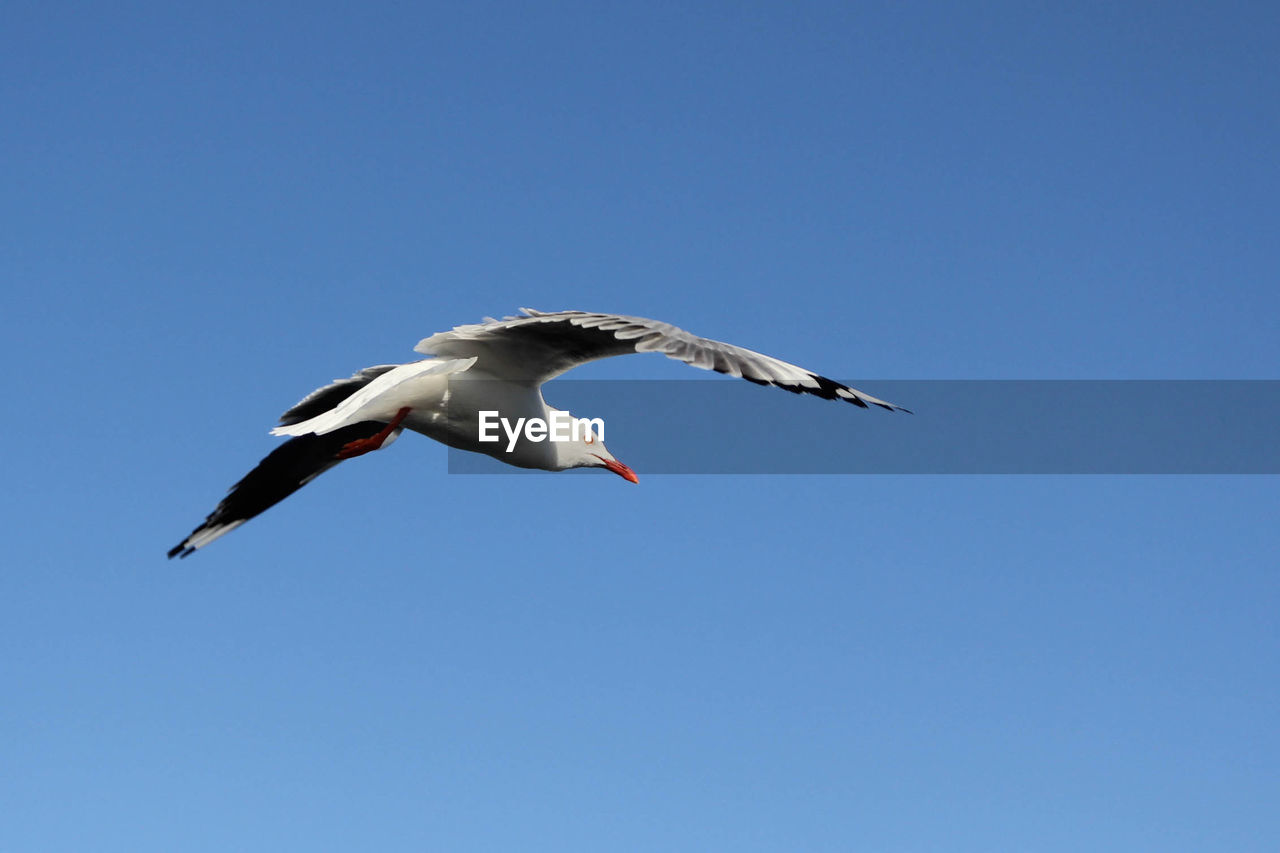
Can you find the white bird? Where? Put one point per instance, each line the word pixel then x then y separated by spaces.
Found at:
pixel 494 366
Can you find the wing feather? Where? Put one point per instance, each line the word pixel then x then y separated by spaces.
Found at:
pixel 539 346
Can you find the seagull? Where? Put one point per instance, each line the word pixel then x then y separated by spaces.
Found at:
pixel 473 373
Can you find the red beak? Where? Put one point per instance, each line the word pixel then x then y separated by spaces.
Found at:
pixel 618 468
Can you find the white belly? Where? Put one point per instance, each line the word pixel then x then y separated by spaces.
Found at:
pixel 455 420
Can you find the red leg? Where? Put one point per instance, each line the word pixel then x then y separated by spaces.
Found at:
pixel 361 446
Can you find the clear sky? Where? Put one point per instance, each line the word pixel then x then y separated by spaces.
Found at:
pixel 208 210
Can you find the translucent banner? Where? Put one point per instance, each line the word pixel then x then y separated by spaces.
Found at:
pixel 958 427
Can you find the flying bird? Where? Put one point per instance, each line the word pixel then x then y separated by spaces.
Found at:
pixel 472 372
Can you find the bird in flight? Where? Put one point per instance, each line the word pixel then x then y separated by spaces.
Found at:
pixel 473 372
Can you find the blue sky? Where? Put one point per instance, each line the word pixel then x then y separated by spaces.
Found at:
pixel 209 211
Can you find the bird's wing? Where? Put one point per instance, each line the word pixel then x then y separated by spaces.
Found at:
pixel 376 399
pixel 301 459
pixel 285 470
pixel 540 346
pixel 291 465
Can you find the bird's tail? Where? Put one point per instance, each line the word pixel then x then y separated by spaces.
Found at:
pixel 285 470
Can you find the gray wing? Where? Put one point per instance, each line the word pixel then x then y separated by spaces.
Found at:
pixel 539 346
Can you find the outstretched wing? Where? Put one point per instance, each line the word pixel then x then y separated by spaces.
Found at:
pixel 291 465
pixel 285 470
pixel 540 346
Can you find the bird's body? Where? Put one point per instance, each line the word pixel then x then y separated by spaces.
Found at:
pixel 480 371
pixel 445 399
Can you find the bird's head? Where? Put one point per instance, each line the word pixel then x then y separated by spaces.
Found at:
pixel 585 449
pixel 602 458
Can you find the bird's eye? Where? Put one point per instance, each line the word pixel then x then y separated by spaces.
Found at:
pixel 591 439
